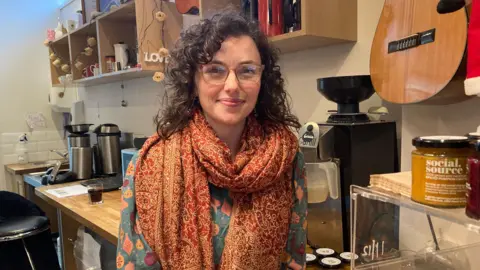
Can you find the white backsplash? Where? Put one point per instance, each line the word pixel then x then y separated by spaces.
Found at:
pixel 38 147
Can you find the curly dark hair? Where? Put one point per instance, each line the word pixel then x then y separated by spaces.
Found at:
pixel 197 45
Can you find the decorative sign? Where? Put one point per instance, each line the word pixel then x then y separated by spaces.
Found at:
pixel 154 58
pixel 375 250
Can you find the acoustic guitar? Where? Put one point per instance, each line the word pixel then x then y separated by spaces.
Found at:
pixel 188 6
pixel 417 54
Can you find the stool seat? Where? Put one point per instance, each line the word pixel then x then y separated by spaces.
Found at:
pixel 20 227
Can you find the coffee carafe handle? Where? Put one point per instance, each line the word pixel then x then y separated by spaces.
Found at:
pixel 331 169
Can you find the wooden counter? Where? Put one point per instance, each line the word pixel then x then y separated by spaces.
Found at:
pixel 103 219
pixel 76 211
pixel 19 169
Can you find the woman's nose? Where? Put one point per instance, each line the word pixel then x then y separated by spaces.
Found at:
pixel 231 83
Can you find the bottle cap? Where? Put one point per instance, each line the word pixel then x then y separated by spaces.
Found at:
pixel 324 252
pixel 330 263
pixel 311 258
pixel 348 256
pixel 441 142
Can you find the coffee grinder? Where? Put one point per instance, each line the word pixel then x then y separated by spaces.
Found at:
pixel 343 151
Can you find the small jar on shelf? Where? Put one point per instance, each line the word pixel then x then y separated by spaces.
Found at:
pixel 346 258
pixel 330 263
pixel 473 185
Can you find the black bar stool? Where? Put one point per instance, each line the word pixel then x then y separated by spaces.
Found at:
pixel 20 228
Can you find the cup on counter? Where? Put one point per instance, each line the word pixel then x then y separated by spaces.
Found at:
pixel 95 193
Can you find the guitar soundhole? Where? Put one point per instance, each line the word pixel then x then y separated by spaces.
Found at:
pixel 412 41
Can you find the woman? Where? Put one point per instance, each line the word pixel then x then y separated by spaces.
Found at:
pixel 220 186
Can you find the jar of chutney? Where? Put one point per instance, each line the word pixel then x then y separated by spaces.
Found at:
pixel 439 170
pixel 473 185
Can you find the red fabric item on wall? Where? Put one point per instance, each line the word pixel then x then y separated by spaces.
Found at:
pixel 472 82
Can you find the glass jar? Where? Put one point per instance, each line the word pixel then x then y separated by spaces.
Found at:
pixel 311 261
pixel 439 170
pixel 346 258
pixel 473 185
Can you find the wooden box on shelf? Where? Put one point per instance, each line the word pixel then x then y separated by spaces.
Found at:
pixel 132 23
pixel 323 23
pixel 78 44
pixel 150 31
pixel 116 27
pixel 59 47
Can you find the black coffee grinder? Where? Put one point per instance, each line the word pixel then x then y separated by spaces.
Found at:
pixel 345 150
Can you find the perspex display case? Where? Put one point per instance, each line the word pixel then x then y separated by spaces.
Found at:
pixel 390 231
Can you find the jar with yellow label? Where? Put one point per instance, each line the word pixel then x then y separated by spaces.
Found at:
pixel 439 170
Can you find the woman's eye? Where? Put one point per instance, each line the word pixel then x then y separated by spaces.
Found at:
pixel 248 70
pixel 215 70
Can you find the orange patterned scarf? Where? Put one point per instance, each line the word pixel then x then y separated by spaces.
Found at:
pixel 173 199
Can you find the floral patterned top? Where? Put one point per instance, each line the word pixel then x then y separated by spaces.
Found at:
pixel 133 251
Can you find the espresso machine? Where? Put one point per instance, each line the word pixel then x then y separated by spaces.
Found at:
pixel 343 151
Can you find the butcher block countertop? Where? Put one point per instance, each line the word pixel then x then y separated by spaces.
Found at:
pixel 19 169
pixel 104 219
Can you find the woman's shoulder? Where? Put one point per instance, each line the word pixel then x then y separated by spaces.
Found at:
pixel 299 160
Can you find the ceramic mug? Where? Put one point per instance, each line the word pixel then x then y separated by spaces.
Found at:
pixel 90 71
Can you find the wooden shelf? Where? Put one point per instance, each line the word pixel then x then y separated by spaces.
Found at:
pixel 124 75
pixel 132 23
pixel 323 23
pixel 299 41
pixel 125 12
pixel 63 40
pixel 78 43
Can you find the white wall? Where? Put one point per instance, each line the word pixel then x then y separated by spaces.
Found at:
pixel 103 105
pixel 24 70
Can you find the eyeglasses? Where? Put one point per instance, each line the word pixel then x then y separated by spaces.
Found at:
pixel 217 73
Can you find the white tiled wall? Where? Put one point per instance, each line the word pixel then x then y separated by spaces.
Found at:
pixel 38 147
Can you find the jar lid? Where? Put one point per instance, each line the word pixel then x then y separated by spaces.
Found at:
pixel 311 258
pixel 348 256
pixel 323 252
pixel 441 142
pixel 475 145
pixel 330 263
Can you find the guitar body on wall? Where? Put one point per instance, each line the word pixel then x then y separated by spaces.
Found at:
pixel 418 55
pixel 188 6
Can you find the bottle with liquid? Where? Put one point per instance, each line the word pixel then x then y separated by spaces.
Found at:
pixel 21 149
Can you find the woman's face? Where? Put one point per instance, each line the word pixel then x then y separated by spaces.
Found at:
pixel 228 86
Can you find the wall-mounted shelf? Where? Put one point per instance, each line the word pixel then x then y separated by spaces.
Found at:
pixel 323 23
pixel 132 23
pixel 124 75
